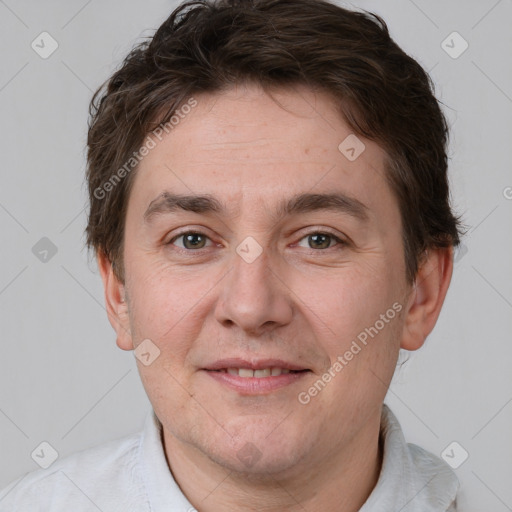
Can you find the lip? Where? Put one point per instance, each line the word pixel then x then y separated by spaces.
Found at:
pixel 255 385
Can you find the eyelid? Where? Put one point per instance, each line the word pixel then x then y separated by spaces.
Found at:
pixel 313 230
pixel 188 232
pixel 317 228
pixel 340 241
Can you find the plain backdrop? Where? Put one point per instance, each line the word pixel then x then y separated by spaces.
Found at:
pixel 62 378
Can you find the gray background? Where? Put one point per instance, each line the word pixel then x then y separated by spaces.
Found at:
pixel 62 378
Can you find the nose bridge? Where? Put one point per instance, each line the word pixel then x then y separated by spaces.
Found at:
pixel 252 296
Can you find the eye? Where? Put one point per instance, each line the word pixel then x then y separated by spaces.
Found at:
pixel 191 240
pixel 321 240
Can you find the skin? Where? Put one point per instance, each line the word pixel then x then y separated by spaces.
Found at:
pixel 299 301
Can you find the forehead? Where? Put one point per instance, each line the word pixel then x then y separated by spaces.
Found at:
pixel 246 147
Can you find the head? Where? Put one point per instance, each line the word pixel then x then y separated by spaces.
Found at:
pixel 268 188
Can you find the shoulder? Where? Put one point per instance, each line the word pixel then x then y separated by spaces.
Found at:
pixel 439 483
pixel 99 477
pixel 411 478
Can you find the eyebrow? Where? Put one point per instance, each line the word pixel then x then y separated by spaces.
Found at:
pixel 338 202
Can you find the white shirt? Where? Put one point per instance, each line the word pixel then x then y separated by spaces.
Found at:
pixel 131 475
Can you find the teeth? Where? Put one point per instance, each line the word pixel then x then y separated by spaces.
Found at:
pixel 266 372
pixel 262 373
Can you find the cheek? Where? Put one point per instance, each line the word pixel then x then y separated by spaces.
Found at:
pixel 345 304
pixel 158 301
pixel 169 307
pixel 348 317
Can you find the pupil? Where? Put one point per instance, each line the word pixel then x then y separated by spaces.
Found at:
pixel 193 239
pixel 316 238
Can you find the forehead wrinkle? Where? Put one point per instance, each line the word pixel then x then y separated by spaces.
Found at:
pixel 241 144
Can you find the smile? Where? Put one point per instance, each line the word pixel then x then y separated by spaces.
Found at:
pixel 265 372
pixel 255 377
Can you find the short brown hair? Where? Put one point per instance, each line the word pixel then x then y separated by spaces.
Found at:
pixel 209 46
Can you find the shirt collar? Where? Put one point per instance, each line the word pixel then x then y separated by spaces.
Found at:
pixel 162 490
pixel 411 479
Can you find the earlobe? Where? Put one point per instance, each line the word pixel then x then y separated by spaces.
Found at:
pixel 427 297
pixel 115 302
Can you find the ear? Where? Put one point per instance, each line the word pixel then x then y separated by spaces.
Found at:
pixel 427 297
pixel 115 302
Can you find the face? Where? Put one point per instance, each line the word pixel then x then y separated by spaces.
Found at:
pixel 277 316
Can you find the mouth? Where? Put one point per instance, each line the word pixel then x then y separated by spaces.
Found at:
pixel 255 377
pixel 247 373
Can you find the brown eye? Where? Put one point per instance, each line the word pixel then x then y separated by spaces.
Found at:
pixel 191 240
pixel 319 240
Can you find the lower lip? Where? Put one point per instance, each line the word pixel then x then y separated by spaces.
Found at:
pixel 256 385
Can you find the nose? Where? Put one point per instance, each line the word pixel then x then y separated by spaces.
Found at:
pixel 254 295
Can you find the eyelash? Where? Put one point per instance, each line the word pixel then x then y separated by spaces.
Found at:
pixel 341 243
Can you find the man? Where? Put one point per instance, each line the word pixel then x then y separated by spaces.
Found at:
pixel 270 213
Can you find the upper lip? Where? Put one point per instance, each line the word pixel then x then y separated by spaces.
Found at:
pixel 253 364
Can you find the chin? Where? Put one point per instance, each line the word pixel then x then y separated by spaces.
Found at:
pixel 251 463
pixel 259 449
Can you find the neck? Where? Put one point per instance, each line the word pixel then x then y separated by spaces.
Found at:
pixel 346 478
